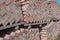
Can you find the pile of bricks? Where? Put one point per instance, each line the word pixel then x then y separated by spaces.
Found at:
pixel 40 10
pixel 28 11
pixel 50 31
pixel 10 11
pixel 23 34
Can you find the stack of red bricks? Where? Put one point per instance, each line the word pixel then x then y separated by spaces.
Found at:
pixel 28 11
pixel 40 10
pixel 51 31
pixel 10 11
pixel 23 34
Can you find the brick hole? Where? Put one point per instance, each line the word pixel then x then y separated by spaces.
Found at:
pixel 1 25
pixel 34 26
pixel 29 22
pixel 50 20
pixel 49 7
pixel 48 3
pixel 13 22
pixel 22 26
pixel 44 24
pixel 8 23
pixel 6 31
pixel 17 0
pixel 18 21
pixel 55 20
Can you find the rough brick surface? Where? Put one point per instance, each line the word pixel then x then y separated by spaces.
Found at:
pixel 26 34
pixel 10 11
pixel 50 31
pixel 41 10
pixel 33 34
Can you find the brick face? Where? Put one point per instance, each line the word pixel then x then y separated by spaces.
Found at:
pixel 10 11
pixel 33 34
pixel 26 34
pixel 50 31
pixel 31 11
pixel 38 10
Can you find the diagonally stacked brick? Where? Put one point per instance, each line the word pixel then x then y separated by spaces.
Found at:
pixel 26 34
pixel 38 10
pixel 50 31
pixel 33 34
pixel 28 11
pixel 10 11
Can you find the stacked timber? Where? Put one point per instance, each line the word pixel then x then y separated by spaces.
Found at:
pixel 40 10
pixel 10 11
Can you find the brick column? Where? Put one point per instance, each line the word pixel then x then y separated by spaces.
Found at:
pixel 49 32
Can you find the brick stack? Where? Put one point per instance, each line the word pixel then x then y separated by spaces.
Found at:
pixel 28 10
pixel 23 34
pixel 33 34
pixel 58 27
pixel 50 31
pixel 38 10
pixel 10 11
